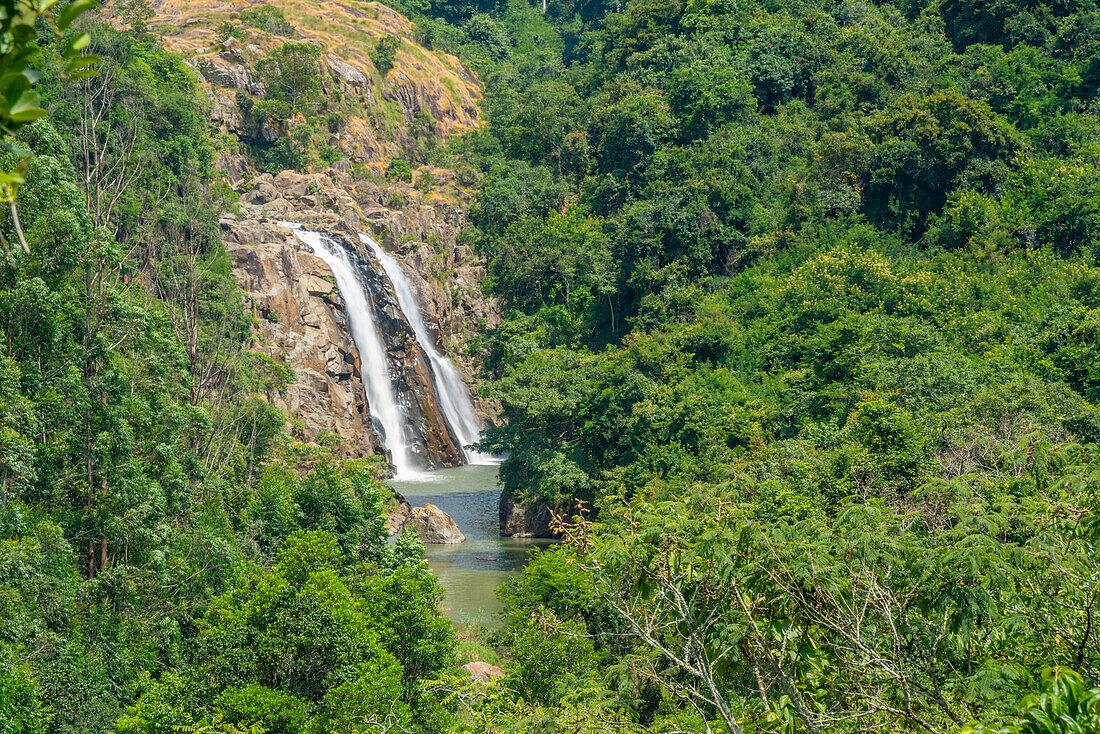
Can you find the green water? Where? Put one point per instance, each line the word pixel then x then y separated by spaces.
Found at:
pixel 469 572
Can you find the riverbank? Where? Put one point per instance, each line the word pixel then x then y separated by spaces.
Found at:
pixel 469 572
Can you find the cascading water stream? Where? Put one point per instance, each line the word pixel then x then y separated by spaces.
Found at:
pixel 454 398
pixel 372 352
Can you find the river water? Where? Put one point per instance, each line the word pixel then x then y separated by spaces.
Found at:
pixel 469 572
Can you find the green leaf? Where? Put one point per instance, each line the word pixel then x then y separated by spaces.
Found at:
pixel 73 11
pixel 81 62
pixel 14 148
pixel 29 115
pixel 82 74
pixel 26 107
pixel 75 44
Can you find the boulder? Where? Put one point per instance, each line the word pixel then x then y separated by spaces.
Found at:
pixel 481 672
pixel 349 76
pixel 226 72
pixel 263 192
pixel 435 526
pixel 524 520
pixel 398 516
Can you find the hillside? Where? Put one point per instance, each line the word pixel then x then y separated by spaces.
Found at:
pixel 791 311
pixel 348 121
pixel 366 114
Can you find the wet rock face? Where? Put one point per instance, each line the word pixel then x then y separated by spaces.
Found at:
pixel 302 321
pixel 431 437
pixel 422 235
pixel 435 526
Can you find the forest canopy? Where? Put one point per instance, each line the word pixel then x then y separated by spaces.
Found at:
pixel 799 342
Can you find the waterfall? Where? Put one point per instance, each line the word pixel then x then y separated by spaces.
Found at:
pixel 454 398
pixel 373 360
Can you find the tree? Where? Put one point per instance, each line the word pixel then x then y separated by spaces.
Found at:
pixel 137 14
pixel 19 102
pixel 290 74
pixel 923 150
pixel 384 52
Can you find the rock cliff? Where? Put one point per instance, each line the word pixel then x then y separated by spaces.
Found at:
pixel 382 112
pixel 300 320
pixel 419 229
pixel 368 111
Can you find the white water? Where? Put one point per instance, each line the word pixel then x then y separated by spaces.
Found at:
pixel 453 396
pixel 375 366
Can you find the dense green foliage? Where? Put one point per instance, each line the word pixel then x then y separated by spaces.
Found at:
pixel 801 304
pixel 20 102
pixel 801 312
pixel 169 557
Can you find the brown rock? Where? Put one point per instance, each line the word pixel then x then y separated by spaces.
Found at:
pixel 435 526
pixel 424 238
pixel 481 672
pixel 301 321
pixel 524 520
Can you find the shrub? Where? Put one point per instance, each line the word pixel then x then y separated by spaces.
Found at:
pixel 269 19
pixel 384 53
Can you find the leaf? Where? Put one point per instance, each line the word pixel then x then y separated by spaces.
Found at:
pixel 14 148
pixel 75 44
pixel 81 61
pixel 82 74
pixel 27 107
pixel 82 66
pixel 73 11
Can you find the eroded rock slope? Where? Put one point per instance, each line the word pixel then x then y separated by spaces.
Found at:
pixel 379 114
pixel 421 234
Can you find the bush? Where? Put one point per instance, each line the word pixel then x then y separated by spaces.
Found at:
pixel 400 169
pixel 384 53
pixel 269 19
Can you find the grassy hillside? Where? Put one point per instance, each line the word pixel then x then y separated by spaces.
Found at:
pixel 296 84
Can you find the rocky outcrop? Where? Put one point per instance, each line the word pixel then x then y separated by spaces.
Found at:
pixel 398 515
pixel 435 526
pixel 380 111
pixel 481 672
pixel 300 321
pixel 434 442
pixel 525 519
pixel 420 231
pixel 421 234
